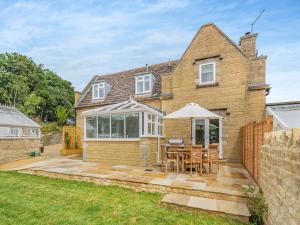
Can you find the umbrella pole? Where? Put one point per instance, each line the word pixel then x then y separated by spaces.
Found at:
pixel 191 131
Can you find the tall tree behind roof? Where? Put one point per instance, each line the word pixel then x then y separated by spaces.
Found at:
pixel 20 76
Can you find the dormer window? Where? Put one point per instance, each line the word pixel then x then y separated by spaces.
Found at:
pixel 143 84
pixel 207 73
pixel 99 90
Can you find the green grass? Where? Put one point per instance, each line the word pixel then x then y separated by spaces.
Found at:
pixel 30 199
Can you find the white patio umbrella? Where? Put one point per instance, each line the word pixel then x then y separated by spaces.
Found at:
pixel 192 111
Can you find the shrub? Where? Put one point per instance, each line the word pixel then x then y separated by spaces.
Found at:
pixel 76 143
pixel 67 140
pixel 257 205
pixel 61 115
pixel 49 127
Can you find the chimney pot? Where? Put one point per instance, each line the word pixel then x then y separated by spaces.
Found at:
pixel 147 69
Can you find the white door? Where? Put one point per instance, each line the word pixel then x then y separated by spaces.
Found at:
pixel 201 132
pixel 207 131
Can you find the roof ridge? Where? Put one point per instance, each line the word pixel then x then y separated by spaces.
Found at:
pixel 220 31
pixel 137 68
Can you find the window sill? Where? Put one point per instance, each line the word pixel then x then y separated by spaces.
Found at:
pixel 143 93
pixel 98 99
pixel 112 139
pixel 207 85
pixel 20 138
pixel 152 136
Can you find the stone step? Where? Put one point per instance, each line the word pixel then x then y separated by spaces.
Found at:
pixel 234 209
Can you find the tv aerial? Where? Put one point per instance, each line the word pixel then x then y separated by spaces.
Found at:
pixel 259 15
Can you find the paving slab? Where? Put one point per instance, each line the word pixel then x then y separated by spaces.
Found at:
pixel 208 204
pixel 203 203
pixel 233 208
pixel 178 199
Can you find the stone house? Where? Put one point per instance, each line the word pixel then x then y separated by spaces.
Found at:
pixel 121 114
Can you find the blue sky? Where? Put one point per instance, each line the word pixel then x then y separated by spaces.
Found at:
pixel 78 39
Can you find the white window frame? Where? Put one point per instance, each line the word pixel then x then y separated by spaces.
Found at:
pixel 99 86
pixel 146 134
pixel 160 124
pixel 214 73
pixel 143 80
pixel 206 137
pixel 20 134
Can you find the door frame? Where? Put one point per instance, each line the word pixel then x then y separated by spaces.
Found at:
pixel 206 133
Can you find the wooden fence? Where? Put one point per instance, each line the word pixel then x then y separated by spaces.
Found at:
pixel 71 141
pixel 252 141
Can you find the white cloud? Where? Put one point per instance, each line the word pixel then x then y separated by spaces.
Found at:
pixel 78 39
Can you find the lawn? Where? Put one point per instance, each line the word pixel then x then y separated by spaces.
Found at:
pixel 30 199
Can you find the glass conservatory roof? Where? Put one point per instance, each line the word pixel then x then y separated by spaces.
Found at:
pixel 287 115
pixel 10 116
pixel 123 107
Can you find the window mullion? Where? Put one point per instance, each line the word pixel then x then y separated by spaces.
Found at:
pixel 146 124
pixel 144 84
pixel 97 130
pixel 156 126
pixel 110 126
pixel 124 126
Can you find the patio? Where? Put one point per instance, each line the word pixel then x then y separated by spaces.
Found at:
pixel 227 184
pixel 212 192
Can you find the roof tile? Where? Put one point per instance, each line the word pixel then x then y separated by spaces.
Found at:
pixel 123 85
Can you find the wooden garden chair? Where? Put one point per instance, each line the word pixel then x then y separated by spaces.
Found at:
pixel 213 156
pixel 169 156
pixel 196 159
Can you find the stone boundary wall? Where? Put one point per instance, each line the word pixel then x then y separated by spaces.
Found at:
pixel 13 149
pixel 52 138
pixel 280 176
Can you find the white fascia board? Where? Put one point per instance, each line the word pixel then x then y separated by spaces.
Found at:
pixel 106 110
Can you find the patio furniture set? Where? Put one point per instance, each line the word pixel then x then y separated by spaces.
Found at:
pixel 182 157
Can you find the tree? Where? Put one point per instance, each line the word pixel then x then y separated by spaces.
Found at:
pixel 32 104
pixel 61 115
pixel 32 88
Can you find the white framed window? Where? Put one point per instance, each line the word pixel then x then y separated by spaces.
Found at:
pixel 160 127
pixel 122 126
pixel 15 132
pixel 19 132
pixel 99 90
pixel 143 84
pixel 152 124
pixel 207 73
pixel 104 126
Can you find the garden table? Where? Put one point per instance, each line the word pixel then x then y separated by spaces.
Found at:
pixel 184 153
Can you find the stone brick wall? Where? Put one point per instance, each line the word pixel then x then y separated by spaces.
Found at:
pixel 12 149
pixel 52 138
pixel 234 72
pixel 142 152
pixel 280 176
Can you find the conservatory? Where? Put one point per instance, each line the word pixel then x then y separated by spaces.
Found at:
pixel 285 115
pixel 19 135
pixel 128 132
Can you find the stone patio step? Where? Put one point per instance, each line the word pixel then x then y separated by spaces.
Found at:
pixel 234 209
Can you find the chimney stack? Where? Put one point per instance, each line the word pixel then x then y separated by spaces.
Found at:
pixel 77 96
pixel 248 44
